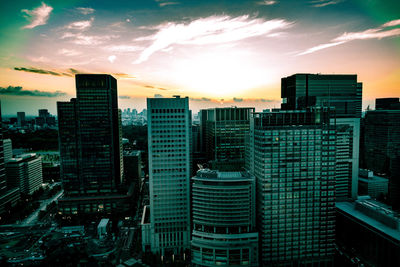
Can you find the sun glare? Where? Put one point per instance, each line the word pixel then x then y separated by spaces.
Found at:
pixel 219 74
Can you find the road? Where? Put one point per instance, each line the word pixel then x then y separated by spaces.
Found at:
pixel 34 216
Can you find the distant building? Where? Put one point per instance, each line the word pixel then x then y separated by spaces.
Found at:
pixel 372 185
pixel 169 140
pixel 223 133
pixel 9 197
pixel 382 148
pixel 7 147
pixel 344 94
pixel 21 119
pixel 224 219
pixel 90 147
pixel 292 154
pixel 370 231
pixel 44 113
pixel 25 172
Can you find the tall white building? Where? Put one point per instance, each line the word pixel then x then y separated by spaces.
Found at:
pixel 169 133
pixel 25 172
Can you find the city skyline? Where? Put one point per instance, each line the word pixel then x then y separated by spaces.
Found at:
pixel 216 53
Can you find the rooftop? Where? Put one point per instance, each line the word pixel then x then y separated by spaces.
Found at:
pixel 374 214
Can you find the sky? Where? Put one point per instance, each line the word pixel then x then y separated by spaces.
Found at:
pixel 218 53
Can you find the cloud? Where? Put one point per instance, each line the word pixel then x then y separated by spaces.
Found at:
pixel 124 76
pixel 267 3
pixel 85 10
pixel 322 3
pixel 205 99
pixel 123 48
pixel 209 30
pixel 17 90
pixel 163 3
pixel 40 71
pixel 82 39
pixel 68 73
pixel 112 58
pixel 158 96
pixel 168 4
pixel 237 99
pixel 375 33
pixel 80 25
pixel 124 97
pixel 37 16
pixel 154 87
pixel 69 52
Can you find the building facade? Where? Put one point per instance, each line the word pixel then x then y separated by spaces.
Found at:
pixel 382 148
pixel 25 172
pixel 372 185
pixel 169 139
pixel 7 149
pixel 224 225
pixel 223 134
pixel 344 94
pixel 90 146
pixel 292 154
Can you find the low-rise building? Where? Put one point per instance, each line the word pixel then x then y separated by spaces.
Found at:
pixel 372 185
pixel 25 172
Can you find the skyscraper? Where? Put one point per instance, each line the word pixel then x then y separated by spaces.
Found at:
pixel 223 135
pixel 169 137
pixel 90 146
pixel 292 155
pixel 382 148
pixel 224 220
pixel 344 94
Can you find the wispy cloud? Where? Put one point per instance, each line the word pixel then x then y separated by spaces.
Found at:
pixel 85 10
pixel 69 52
pixel 322 3
pixel 80 25
pixel 124 97
pixel 83 39
pixel 201 99
pixel 39 71
pixel 375 33
pixel 18 91
pixel 123 48
pixel 163 3
pixel 267 3
pixel 237 99
pixel 37 16
pixel 210 30
pixel 154 87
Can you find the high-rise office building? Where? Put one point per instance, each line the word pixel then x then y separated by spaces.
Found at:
pixel 169 137
pixel 292 155
pixel 224 220
pixel 382 148
pixel 344 94
pixel 223 133
pixel 25 172
pixel 90 146
pixel 21 119
pixel 44 113
pixel 3 181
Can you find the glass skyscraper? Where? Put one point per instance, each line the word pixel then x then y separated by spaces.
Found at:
pixel 293 155
pixel 344 94
pixel 90 145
